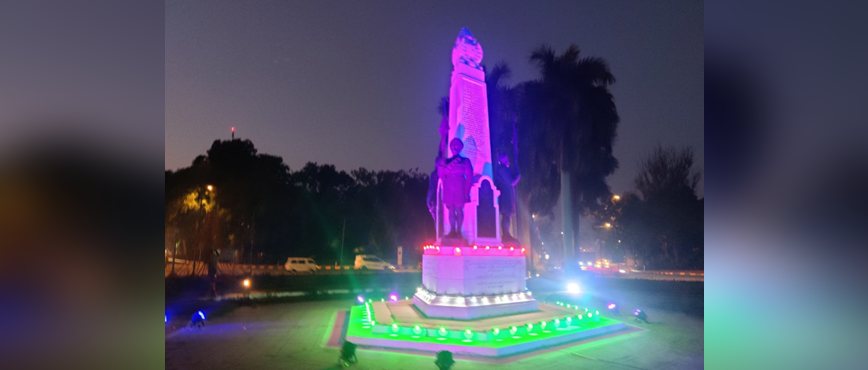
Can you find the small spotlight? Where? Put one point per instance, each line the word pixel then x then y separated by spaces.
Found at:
pixel 572 288
pixel 198 319
pixel 444 360
pixel 640 316
pixel 393 298
pixel 360 299
pixel 246 283
pixel 348 353
pixel 167 319
pixel 613 309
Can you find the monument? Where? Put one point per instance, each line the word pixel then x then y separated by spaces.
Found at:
pixel 468 122
pixel 473 297
pixel 469 267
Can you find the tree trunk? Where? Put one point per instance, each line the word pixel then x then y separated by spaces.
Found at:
pixel 566 205
pixel 522 227
pixel 566 214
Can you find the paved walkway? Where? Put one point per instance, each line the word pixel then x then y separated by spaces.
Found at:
pixel 296 336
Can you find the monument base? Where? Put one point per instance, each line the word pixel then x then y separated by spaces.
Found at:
pixel 474 312
pixel 399 326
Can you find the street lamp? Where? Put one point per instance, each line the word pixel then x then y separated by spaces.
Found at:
pixel 616 197
pixel 210 188
pixel 607 225
pixel 246 285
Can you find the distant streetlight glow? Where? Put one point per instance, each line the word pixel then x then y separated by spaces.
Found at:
pixel 608 225
pixel 616 197
pixel 210 188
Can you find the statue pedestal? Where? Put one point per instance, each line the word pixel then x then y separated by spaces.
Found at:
pixel 467 283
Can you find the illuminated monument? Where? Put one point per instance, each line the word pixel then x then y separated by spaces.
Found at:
pixel 474 298
pixel 469 273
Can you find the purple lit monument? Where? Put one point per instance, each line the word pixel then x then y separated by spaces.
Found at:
pixel 469 273
pixel 473 298
pixel 468 123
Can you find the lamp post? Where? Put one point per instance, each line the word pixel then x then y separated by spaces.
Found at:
pixel 606 226
pixel 343 234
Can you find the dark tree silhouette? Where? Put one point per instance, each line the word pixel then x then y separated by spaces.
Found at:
pixel 570 119
pixel 268 213
pixel 664 227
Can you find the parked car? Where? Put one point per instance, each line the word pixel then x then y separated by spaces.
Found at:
pixel 301 265
pixel 372 262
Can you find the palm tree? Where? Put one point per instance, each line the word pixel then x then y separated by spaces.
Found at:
pixel 575 121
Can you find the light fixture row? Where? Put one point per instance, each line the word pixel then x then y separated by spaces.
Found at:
pixel 476 250
pixel 473 300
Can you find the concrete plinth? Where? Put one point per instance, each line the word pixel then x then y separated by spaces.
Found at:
pixel 473 283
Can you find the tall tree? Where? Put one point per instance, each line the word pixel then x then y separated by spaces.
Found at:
pixel 574 113
pixel 666 226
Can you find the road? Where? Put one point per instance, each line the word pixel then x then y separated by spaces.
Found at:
pixel 185 267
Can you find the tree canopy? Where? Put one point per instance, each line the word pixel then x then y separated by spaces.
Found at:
pixel 265 212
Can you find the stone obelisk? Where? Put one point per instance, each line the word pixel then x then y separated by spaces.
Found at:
pixel 480 277
pixel 468 121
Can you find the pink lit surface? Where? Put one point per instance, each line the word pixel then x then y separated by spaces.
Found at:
pixel 471 251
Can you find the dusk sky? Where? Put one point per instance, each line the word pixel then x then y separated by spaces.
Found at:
pixel 356 84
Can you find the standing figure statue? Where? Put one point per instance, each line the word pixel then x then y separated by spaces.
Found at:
pixel 506 179
pixel 457 175
pixel 431 199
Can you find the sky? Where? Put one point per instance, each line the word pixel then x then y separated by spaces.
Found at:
pixel 356 84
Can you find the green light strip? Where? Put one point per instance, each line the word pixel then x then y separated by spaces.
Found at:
pixel 360 326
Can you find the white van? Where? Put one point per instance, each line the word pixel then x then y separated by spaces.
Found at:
pixel 301 265
pixel 372 262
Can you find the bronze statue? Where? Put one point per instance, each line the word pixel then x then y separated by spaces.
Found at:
pixel 457 175
pixel 506 179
